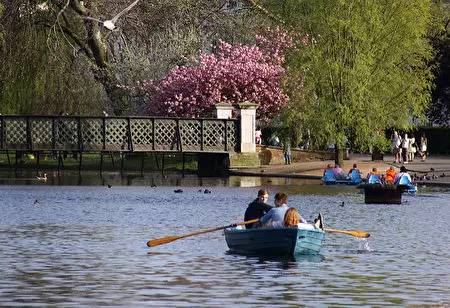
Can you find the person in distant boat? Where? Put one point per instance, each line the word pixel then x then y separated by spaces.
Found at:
pixel 257 208
pixel 390 175
pixel 354 174
pixel 328 174
pixel 403 175
pixel 275 217
pixel 374 177
pixel 339 173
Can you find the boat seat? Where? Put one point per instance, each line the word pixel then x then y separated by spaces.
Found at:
pixel 303 226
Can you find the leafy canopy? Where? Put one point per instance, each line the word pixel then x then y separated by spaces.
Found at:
pixel 364 66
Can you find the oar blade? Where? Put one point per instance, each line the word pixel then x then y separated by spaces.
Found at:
pixel 355 233
pixel 361 234
pixel 161 241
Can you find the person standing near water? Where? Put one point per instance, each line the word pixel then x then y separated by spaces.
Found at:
pixel 423 147
pixel 257 209
pixel 405 147
pixel 396 147
pixel 287 152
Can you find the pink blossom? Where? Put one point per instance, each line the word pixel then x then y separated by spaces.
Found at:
pixel 233 74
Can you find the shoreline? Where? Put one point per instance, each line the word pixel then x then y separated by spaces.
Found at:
pixel 437 168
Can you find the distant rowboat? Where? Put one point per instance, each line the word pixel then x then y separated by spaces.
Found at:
pixel 272 241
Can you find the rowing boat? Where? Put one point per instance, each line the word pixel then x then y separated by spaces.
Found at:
pixel 274 241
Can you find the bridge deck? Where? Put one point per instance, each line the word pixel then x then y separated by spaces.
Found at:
pixel 117 134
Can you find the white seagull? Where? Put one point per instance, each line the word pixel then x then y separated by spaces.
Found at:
pixel 110 24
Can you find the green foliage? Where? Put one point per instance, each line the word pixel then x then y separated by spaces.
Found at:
pixel 54 60
pixel 364 67
pixel 35 79
pixel 439 35
pixel 1 28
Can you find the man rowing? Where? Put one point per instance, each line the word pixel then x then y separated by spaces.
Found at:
pixel 257 209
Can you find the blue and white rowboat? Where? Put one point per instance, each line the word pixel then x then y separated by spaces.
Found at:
pixel 272 241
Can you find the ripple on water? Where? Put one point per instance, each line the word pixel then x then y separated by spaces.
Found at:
pixel 85 246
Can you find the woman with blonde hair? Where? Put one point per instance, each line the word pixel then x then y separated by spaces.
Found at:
pixel 291 218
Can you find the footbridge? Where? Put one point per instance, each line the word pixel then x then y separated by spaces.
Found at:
pixel 209 137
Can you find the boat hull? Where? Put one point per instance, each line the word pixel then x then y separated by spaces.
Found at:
pixel 386 194
pixel 271 241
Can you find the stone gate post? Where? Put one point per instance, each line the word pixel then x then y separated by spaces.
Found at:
pixel 247 117
pixel 224 111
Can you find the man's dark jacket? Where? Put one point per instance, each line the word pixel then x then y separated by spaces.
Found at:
pixel 255 210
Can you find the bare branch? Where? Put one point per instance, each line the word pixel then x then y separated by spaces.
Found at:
pixel 256 5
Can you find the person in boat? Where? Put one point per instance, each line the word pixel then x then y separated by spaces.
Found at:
pixel 275 217
pixel 328 174
pixel 403 177
pixel 374 177
pixel 293 219
pixel 390 175
pixel 339 173
pixel 257 208
pixel 354 174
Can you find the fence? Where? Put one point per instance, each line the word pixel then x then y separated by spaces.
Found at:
pixel 117 134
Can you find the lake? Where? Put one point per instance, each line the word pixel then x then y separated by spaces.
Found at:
pixel 84 245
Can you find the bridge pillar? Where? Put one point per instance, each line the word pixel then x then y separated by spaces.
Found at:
pixel 247 115
pixel 213 164
pixel 224 111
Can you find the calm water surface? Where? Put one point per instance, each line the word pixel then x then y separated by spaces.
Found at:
pixel 86 246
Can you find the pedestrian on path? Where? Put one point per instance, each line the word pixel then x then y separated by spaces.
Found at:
pixel 396 147
pixel 423 147
pixel 405 147
pixel 287 152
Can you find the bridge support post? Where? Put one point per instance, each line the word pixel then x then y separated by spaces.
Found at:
pixel 247 115
pixel 224 111
pixel 213 164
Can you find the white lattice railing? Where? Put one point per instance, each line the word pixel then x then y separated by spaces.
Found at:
pixel 132 134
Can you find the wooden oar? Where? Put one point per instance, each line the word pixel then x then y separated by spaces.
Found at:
pixel 355 233
pixel 168 239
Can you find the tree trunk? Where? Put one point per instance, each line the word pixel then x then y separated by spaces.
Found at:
pixel 338 155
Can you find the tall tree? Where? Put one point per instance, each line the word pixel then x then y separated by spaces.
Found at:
pixel 71 35
pixel 232 74
pixel 364 67
pixel 439 112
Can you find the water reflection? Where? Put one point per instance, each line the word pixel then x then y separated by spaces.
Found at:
pixel 85 246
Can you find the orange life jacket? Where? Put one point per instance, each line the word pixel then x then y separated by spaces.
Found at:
pixel 390 175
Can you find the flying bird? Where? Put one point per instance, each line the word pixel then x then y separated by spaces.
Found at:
pixel 110 24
